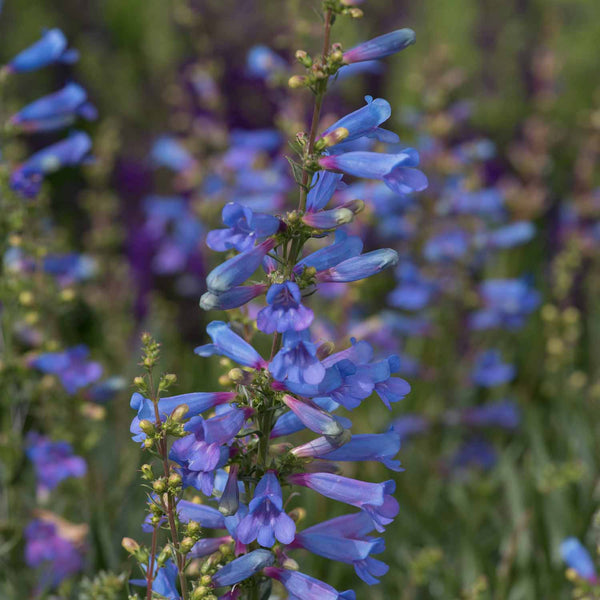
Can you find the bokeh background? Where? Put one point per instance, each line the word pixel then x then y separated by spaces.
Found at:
pixel 487 523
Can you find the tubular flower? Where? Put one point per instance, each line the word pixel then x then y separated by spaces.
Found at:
pixel 303 587
pixel 578 558
pixel 297 360
pixel 49 49
pixel 381 46
pixel 285 311
pixel 266 520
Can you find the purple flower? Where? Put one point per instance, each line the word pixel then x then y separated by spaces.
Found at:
pixel 365 122
pixel 373 498
pixel 360 267
pixel 503 414
pixel 475 453
pixel 395 170
pixel 577 557
pixel 208 546
pixel 508 236
pixel 46 547
pixel 236 270
pixel 285 311
pixel 490 371
pixel 244 228
pixel 71 367
pixel 266 520
pixel 297 360
pixel 313 417
pixel 381 46
pixel 53 461
pixel 206 448
pixel 303 587
pixel 69 268
pixel 56 110
pixel 51 48
pixel 74 150
pixel 345 539
pixel 230 344
pixel 410 425
pixel 414 291
pixel 446 246
pixel 243 567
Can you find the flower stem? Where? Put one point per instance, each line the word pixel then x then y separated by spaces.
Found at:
pixel 150 573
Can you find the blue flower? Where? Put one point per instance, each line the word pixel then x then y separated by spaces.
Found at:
pixel 373 498
pixel 230 344
pixel 206 516
pixel 71 367
pixel 245 227
pixel 285 311
pixel 509 236
pixel 323 186
pixel 342 248
pixel 395 170
pixel 206 448
pixel 56 110
pixel 297 360
pixel 504 413
pixel 410 425
pixel 51 48
pixel 360 267
pixel 170 153
pixel 266 520
pixel 365 122
pixel 27 177
pixel 345 539
pixel 243 567
pixel 313 416
pixel 414 291
pixel 577 557
pixel 70 268
pixel 475 453
pixel 233 298
pixel 381 46
pixel 448 245
pixel 236 270
pixel 263 63
pixel 303 587
pixel 164 582
pixel 53 461
pixel 490 371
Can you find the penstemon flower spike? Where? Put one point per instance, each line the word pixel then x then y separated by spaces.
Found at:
pixel 229 446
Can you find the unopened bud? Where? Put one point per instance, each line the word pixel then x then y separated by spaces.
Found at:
pixel 178 415
pixel 138 381
pixel 174 480
pixel 130 545
pixel 325 349
pixel 187 543
pixel 303 58
pixel 356 13
pixel 224 380
pixel 147 426
pixel 148 443
pixel 236 375
pixel 291 564
pixel 199 593
pixel 193 528
pixel 159 486
pixel 205 579
pixel 296 81
pixel 147 472
pixel 335 137
pixel 336 56
pixel 297 514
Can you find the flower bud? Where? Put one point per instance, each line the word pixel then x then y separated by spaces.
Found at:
pixel 147 427
pixel 199 593
pixel 138 381
pixel 297 514
pixel 325 349
pixel 148 443
pixel 296 81
pixel 193 528
pixel 334 137
pixel 356 13
pixel 147 472
pixel 187 543
pixel 178 415
pixel 159 486
pixel 130 545
pixel 174 480
pixel 291 564
pixel 236 375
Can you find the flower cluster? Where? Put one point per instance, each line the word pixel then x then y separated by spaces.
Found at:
pixel 231 446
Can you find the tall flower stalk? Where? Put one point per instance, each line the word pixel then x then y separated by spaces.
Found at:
pixel 232 446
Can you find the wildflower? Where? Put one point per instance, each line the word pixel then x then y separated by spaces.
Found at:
pixel 266 520
pixel 381 46
pixel 410 425
pixel 206 516
pixel 53 461
pixel 490 371
pixel 365 122
pixel 164 582
pixel 343 247
pixel 243 567
pixel 56 110
pixel 233 298
pixel 297 360
pixel 395 170
pixel 509 236
pixel 236 270
pixel 323 186
pixel 303 587
pixel 71 367
pixel 170 153
pixel 263 63
pixel 244 228
pixel 414 291
pixel 50 48
pixel 448 245
pixel 74 150
pixel 374 498
pixel 361 266
pixel 503 414
pixel 227 343
pixel 475 453
pixel 578 558
pixel 285 311
pixel 313 417
pixel 345 539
